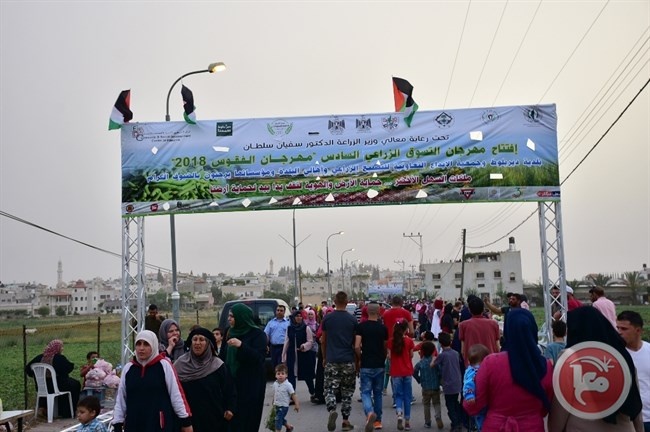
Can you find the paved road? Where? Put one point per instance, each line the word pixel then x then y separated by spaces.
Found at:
pixel 313 418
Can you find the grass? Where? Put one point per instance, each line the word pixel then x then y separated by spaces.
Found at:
pixel 79 334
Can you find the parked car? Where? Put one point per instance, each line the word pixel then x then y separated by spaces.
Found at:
pixel 263 312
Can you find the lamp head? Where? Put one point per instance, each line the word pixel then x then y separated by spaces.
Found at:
pixel 216 67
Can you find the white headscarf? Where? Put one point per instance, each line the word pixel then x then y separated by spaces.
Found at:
pixel 149 337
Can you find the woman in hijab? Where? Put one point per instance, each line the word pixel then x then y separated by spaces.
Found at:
pixel 586 324
pixel 207 383
pixel 245 359
pixel 311 321
pixel 447 320
pixel 516 385
pixel 149 397
pixel 297 353
pixel 171 343
pixel 53 355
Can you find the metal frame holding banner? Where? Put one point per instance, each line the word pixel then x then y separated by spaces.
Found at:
pixel 499 154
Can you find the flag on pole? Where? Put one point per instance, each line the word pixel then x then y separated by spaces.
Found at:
pixel 121 112
pixel 403 92
pixel 188 105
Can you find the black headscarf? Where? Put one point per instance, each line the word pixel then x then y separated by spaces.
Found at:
pixel 190 366
pixel 586 324
pixel 527 364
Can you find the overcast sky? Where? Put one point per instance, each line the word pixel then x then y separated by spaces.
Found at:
pixel 62 65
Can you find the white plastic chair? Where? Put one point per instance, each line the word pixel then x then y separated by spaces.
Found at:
pixel 41 372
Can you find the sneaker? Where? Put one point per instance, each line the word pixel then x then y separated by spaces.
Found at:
pixel 370 422
pixel 407 425
pixel 331 421
pixel 347 426
pixel 394 405
pixel 439 423
pixel 427 425
pixel 400 423
pixel 378 425
pixel 385 392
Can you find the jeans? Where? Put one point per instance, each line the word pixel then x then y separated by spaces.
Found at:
pixel 280 416
pixel 403 394
pixel 646 426
pixel 372 380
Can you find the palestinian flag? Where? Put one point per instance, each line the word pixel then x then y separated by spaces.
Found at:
pixel 188 105
pixel 121 112
pixel 403 91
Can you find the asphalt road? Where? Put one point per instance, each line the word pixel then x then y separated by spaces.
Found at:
pixel 313 418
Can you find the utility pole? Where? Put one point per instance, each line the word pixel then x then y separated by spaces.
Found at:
pixel 411 278
pixel 401 262
pixel 297 291
pixel 417 242
pixel 462 265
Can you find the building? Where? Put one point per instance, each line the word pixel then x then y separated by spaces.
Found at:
pixel 486 274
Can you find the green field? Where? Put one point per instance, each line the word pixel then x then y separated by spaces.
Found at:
pixel 80 335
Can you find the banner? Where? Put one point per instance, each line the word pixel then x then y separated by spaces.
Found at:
pixel 465 155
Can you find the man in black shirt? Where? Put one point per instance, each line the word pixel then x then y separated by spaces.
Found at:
pixel 370 345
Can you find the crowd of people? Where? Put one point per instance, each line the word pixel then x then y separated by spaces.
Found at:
pixel 491 378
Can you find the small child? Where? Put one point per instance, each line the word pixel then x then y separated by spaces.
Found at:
pixel 88 409
pixel 429 379
pixel 401 373
pixel 91 359
pixel 553 349
pixel 475 354
pixel 452 380
pixel 283 393
pixel 424 337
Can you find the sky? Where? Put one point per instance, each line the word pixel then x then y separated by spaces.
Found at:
pixel 62 65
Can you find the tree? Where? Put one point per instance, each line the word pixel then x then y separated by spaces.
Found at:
pixel 217 294
pixel 633 281
pixel 60 311
pixel 277 286
pixel 160 278
pixel 272 294
pixel 228 297
pixel 599 279
pixel 43 311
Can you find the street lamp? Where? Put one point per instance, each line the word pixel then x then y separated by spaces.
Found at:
pixel 327 256
pixel 342 273
pixel 212 67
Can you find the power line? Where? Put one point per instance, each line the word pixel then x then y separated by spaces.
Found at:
pixel 97 248
pixel 460 42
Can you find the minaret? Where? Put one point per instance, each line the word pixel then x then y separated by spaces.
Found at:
pixel 59 275
pixel 271 266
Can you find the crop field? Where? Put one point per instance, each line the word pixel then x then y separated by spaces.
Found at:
pixel 81 334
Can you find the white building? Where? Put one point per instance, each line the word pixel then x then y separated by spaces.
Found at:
pixel 486 273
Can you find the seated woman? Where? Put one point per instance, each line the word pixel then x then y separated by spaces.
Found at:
pixel 53 355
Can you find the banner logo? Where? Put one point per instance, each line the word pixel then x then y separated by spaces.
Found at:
pixel 279 128
pixel 363 124
pixel 444 120
pixel 390 123
pixel 489 116
pixel 336 126
pixel 591 380
pixel 467 193
pixel 224 128
pixel 532 115
pixel 138 132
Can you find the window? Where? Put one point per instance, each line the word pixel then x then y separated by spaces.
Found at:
pixel 437 287
pixel 512 277
pixel 457 286
pixel 497 273
pixel 435 276
pixel 480 275
pixel 458 275
pixel 481 285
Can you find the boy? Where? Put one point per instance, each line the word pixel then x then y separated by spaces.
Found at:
pixel 91 359
pixel 429 379
pixel 452 381
pixel 475 355
pixel 553 349
pixel 88 409
pixel 283 393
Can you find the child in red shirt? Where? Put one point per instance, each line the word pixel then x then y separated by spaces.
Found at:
pixel 401 373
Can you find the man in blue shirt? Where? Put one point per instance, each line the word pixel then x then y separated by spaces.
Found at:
pixel 276 332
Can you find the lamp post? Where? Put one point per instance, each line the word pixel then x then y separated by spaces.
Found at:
pixel 212 67
pixel 342 272
pixel 327 256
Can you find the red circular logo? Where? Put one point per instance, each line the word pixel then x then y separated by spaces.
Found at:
pixel 591 380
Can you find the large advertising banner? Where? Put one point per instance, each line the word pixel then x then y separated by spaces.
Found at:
pixel 465 155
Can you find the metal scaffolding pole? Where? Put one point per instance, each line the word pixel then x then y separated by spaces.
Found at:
pixel 132 283
pixel 553 268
